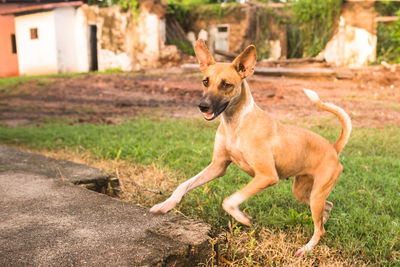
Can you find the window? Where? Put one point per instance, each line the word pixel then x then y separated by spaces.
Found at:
pixel 34 33
pixel 13 44
pixel 222 28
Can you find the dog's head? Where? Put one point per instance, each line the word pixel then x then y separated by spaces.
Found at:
pixel 222 81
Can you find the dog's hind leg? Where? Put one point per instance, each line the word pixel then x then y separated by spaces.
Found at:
pixel 324 181
pixel 302 187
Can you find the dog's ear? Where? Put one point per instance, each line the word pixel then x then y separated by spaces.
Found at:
pixel 203 55
pixel 245 62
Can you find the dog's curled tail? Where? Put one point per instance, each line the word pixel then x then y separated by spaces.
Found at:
pixel 339 112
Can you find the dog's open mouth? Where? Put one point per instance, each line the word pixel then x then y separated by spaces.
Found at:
pixel 211 116
pixel 208 116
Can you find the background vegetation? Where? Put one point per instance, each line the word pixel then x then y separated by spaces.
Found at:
pixel 311 26
pixel 388 48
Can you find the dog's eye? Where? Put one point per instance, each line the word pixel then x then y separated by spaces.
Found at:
pixel 224 85
pixel 205 82
pixel 228 85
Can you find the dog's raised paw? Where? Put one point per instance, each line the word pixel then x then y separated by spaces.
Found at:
pixel 163 207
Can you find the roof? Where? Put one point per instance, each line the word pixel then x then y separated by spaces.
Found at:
pixel 9 9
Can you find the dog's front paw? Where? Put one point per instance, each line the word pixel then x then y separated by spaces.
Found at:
pixel 163 207
pixel 236 213
pixel 243 218
pixel 300 252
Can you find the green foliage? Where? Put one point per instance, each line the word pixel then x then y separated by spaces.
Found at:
pixel 311 26
pixel 396 32
pixel 388 48
pixel 261 32
pixel 263 51
pixel 387 8
pixel 183 46
pixel 124 4
pixel 112 70
pixel 181 11
pixel 186 11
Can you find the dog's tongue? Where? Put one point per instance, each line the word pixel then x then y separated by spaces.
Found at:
pixel 208 116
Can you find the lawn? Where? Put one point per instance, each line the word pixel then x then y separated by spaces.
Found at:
pixel 41 79
pixel 364 227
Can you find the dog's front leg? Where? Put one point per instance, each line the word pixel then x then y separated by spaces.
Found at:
pixel 216 169
pixel 259 182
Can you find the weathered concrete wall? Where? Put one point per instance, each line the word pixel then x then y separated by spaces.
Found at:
pixel 248 24
pixel 112 36
pixel 149 39
pixel 65 39
pixel 354 43
pixel 81 42
pixel 125 40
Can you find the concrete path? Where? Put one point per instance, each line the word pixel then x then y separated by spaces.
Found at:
pixel 49 222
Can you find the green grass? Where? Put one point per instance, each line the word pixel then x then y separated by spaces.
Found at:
pixel 42 80
pixel 10 81
pixel 365 220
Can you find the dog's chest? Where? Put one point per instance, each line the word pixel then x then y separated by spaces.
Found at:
pixel 236 150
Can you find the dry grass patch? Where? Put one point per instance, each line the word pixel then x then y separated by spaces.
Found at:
pixel 142 184
pixel 258 246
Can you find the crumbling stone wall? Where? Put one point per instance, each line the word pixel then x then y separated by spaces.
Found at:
pixel 354 43
pixel 360 15
pixel 126 40
pixel 112 36
pixel 250 23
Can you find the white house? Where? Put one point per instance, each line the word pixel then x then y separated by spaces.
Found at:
pixel 50 38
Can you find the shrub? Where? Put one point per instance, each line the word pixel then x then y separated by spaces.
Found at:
pixel 388 47
pixel 311 27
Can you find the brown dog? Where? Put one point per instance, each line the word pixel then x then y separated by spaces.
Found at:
pixel 261 146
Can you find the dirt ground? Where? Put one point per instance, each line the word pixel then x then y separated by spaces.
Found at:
pixel 371 97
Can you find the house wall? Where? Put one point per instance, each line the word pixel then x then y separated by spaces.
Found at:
pixel 8 60
pixel 82 52
pixel 64 21
pixel 149 37
pixel 38 56
pixel 61 46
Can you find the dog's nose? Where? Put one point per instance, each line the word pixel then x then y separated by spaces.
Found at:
pixel 204 106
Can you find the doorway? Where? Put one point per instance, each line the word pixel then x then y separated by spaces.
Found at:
pixel 94 66
pixel 221 38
